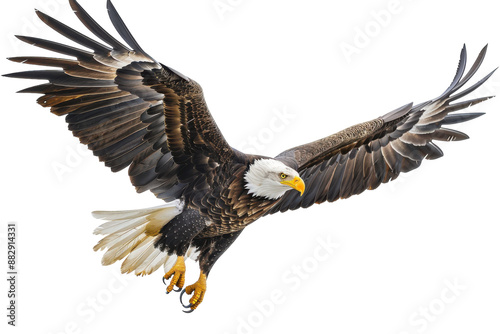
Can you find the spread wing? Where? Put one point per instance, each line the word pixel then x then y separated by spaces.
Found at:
pixel 368 154
pixel 129 109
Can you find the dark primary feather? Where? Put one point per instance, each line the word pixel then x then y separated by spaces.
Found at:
pixel 96 29
pixel 366 155
pixel 122 29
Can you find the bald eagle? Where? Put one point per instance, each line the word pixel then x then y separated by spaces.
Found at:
pixel 135 112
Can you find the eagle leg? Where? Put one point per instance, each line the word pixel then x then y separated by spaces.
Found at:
pixel 210 249
pixel 178 271
pixel 199 288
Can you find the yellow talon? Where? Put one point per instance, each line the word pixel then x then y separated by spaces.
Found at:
pixel 199 289
pixel 179 272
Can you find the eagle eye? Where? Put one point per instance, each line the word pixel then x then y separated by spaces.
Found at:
pixel 283 176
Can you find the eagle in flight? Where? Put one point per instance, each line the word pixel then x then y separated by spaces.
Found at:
pixel 135 112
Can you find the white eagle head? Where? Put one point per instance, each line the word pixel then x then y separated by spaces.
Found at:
pixel 271 179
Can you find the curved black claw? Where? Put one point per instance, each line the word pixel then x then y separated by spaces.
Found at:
pixel 174 289
pixel 184 305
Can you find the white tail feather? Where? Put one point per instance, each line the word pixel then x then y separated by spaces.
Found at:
pixel 153 261
pixel 133 233
pixel 169 262
pixel 138 255
pixel 120 225
pixel 122 245
pixel 129 214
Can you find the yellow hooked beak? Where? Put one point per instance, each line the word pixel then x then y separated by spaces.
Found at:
pixel 297 183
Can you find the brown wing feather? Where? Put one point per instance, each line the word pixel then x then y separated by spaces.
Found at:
pixel 366 155
pixel 129 109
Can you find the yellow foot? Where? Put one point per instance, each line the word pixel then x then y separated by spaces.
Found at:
pixel 199 289
pixel 179 272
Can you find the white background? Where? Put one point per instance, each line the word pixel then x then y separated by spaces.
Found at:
pixel 398 245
